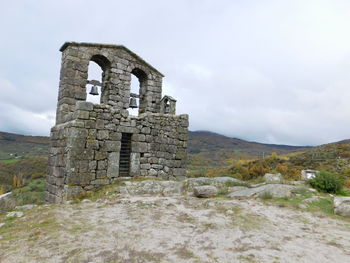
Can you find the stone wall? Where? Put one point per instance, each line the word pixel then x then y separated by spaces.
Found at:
pixel 86 140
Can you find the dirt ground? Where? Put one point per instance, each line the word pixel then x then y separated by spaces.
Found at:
pixel 173 229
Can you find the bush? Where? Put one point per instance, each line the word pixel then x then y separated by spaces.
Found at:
pixel 33 193
pixel 327 182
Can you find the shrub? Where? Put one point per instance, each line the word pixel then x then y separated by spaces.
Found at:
pixel 327 182
pixel 347 183
pixel 33 193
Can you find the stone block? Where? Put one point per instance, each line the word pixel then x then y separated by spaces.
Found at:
pixel 101 174
pixel 146 130
pixel 102 134
pixel 79 179
pixel 100 182
pixel 81 114
pixel 134 164
pixel 84 105
pixel 100 155
pixel 101 165
pixel 100 124
pixel 113 146
pixel 113 164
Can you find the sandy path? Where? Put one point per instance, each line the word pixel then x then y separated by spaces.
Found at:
pixel 174 229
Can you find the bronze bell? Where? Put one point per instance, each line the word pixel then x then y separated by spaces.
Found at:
pixel 94 90
pixel 133 103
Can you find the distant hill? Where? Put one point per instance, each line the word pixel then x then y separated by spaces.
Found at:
pixel 12 145
pixel 199 142
pixel 205 141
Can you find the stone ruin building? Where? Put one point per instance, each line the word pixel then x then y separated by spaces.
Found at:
pixel 95 144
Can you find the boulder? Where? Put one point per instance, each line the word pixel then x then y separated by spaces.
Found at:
pixel 152 187
pixel 14 213
pixel 276 190
pixel 236 188
pixel 7 202
pixel 215 181
pixel 205 191
pixel 342 206
pixel 25 207
pixel 273 178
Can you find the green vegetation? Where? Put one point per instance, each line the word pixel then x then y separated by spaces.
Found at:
pixel 32 193
pixel 327 182
pixel 17 174
pixel 14 146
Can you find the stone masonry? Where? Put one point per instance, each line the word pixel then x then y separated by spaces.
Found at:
pixel 90 143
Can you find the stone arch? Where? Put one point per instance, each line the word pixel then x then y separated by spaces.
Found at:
pixel 105 66
pixel 142 78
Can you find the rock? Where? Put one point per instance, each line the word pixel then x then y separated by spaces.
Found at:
pixel 25 207
pixel 308 174
pixel 302 206
pixel 14 213
pixel 205 191
pixel 152 187
pixel 276 190
pixel 342 206
pixel 7 202
pixel 312 199
pixel 236 188
pixel 272 178
pixel 215 181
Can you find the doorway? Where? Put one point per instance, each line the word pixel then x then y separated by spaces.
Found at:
pixel 125 151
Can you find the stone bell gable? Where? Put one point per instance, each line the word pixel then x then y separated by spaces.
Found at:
pixel 94 144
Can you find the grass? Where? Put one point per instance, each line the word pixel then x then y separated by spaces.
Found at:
pixel 37 221
pixel 9 161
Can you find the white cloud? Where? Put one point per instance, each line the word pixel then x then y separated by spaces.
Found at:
pixel 271 71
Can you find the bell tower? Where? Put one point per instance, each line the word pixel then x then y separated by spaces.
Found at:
pixel 95 144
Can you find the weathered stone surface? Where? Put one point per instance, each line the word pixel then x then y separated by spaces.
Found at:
pixel 215 181
pixel 273 178
pixel 342 206
pixel 152 187
pixel 276 190
pixel 7 202
pixel 205 191
pixel 84 105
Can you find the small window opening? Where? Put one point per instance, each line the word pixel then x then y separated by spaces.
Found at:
pixel 166 106
pixel 95 73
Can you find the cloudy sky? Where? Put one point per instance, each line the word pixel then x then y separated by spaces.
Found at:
pixel 273 71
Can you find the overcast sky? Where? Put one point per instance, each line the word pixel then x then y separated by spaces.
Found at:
pixel 273 71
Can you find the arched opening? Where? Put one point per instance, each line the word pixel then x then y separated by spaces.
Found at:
pixel 166 106
pixel 97 76
pixel 138 78
pixel 94 91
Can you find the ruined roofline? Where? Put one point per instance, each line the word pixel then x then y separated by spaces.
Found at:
pixel 85 44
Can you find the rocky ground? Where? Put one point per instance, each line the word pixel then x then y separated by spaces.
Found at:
pixel 131 223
